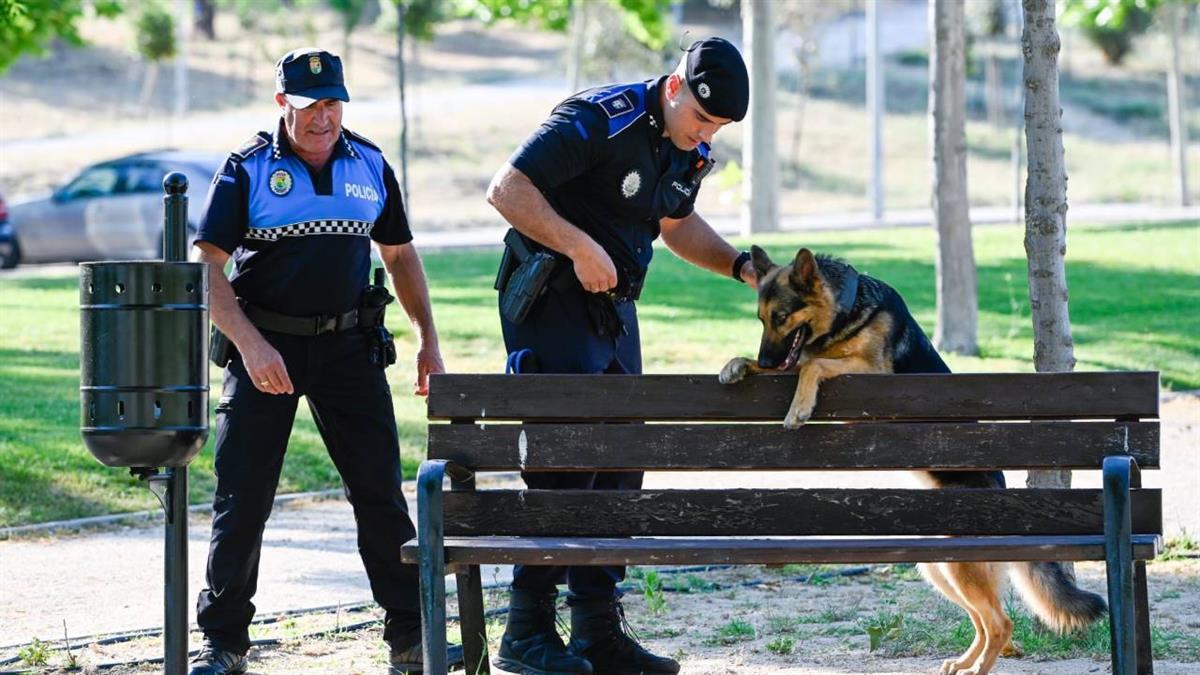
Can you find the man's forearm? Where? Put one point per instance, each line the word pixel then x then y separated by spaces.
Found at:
pixel 526 209
pixel 408 278
pixel 224 309
pixel 694 240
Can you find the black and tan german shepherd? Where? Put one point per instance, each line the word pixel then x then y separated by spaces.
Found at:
pixel 822 319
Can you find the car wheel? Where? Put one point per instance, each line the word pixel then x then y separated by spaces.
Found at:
pixel 13 258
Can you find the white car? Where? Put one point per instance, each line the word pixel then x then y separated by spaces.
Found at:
pixel 110 211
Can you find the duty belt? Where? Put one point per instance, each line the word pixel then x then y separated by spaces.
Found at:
pixel 299 325
pixel 564 280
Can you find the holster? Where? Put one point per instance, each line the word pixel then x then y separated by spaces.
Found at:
pixel 523 277
pixel 372 308
pixel 220 348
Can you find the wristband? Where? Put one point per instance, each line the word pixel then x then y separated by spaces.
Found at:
pixel 741 260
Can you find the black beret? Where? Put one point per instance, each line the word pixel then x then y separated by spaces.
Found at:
pixel 308 75
pixel 717 75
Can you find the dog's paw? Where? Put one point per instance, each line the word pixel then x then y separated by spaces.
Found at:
pixel 796 418
pixel 952 667
pixel 735 371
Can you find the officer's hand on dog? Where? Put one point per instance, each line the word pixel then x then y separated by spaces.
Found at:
pixel 266 369
pixel 594 268
pixel 749 275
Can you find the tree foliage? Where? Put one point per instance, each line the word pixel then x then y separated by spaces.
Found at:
pixel 644 19
pixel 1112 25
pixel 155 33
pixel 29 26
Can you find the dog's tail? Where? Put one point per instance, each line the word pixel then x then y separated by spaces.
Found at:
pixel 1053 596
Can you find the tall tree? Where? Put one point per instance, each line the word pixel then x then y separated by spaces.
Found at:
pixel 155 43
pixel 875 110
pixel 28 26
pixel 1045 205
pixel 957 304
pixel 1175 12
pixel 760 191
pixel 416 19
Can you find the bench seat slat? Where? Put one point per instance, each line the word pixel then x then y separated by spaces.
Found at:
pixel 697 551
pixel 850 397
pixel 944 445
pixel 788 512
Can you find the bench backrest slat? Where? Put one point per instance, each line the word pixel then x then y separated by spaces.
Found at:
pixel 852 397
pixel 808 512
pixel 896 445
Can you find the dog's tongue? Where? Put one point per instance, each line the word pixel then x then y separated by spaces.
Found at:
pixel 794 352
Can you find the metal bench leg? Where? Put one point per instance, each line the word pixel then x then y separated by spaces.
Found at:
pixel 474 629
pixel 1145 653
pixel 1118 546
pixel 432 566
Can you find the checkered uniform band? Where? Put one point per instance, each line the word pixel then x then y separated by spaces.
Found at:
pixel 359 228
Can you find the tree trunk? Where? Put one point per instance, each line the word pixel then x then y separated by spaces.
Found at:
pixel 205 18
pixel 956 295
pixel 760 197
pixel 1045 205
pixel 149 79
pixel 875 107
pixel 1175 98
pixel 579 20
pixel 401 8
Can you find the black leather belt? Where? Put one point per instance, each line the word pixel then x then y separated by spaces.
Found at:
pixel 299 325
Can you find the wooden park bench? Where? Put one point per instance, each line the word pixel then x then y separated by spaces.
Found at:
pixel 1091 421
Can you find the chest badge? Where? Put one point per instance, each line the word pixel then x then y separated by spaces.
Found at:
pixel 630 184
pixel 281 182
pixel 703 90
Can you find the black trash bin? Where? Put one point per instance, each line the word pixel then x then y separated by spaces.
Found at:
pixel 143 371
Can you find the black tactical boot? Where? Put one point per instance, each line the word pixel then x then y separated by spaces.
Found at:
pixel 600 633
pixel 531 645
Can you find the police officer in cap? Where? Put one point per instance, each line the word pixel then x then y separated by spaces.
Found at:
pixel 605 175
pixel 297 208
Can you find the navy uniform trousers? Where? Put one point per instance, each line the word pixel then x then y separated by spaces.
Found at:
pixel 558 332
pixel 352 407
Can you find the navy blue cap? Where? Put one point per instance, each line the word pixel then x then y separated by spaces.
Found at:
pixel 717 75
pixel 308 74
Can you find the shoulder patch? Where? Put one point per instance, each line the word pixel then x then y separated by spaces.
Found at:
pixel 257 142
pixel 623 105
pixel 618 104
pixel 359 138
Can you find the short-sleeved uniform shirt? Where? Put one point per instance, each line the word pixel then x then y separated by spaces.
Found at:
pixel 300 238
pixel 603 164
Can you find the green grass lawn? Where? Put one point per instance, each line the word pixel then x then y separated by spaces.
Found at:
pixel 1135 304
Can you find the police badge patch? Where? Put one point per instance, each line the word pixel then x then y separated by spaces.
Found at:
pixel 703 90
pixel 281 182
pixel 314 65
pixel 630 184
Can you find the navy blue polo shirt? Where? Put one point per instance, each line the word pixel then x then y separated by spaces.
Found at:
pixel 300 238
pixel 603 164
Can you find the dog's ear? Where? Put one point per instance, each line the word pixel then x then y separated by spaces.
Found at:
pixel 762 261
pixel 804 269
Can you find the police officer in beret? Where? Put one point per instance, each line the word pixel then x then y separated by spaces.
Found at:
pixel 297 208
pixel 605 175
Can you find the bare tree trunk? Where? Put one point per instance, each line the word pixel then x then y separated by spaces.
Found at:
pixel 875 107
pixel 803 68
pixel 995 89
pixel 1045 205
pixel 149 79
pixel 401 7
pixel 579 20
pixel 957 308
pixel 760 196
pixel 1175 98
